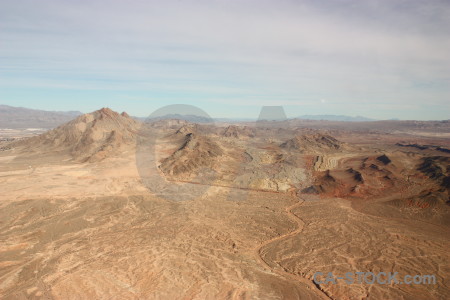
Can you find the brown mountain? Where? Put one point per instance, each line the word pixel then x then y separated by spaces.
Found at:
pixel 238 131
pixel 312 143
pixel 196 151
pixel 90 137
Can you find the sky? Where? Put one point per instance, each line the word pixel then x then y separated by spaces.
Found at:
pixel 373 58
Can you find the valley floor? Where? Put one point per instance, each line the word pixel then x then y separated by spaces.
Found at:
pixel 92 231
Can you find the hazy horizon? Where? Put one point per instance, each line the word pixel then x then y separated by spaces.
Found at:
pixel 376 59
pixel 254 117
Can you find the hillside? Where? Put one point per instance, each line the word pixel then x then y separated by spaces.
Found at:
pixel 90 137
pixel 195 152
pixel 312 143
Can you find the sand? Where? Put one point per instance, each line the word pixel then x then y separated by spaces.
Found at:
pixel 94 230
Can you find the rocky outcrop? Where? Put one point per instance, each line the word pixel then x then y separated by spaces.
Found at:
pixel 311 143
pixel 90 137
pixel 384 159
pixel 195 152
pixel 238 131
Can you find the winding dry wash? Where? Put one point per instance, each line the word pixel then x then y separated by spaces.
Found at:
pixel 278 269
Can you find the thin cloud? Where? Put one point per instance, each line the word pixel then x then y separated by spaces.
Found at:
pixel 384 51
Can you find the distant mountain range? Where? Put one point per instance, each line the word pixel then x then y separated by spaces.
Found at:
pixel 335 118
pixel 200 119
pixel 20 117
pixel 189 118
pixel 305 117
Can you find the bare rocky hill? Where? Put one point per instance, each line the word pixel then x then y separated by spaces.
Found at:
pixel 90 137
pixel 312 143
pixel 196 151
pixel 238 131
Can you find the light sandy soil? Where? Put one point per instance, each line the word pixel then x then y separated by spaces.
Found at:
pixel 73 230
pixel 135 246
pixel 336 238
pixel 91 231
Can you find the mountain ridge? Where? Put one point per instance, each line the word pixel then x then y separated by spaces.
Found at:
pixel 90 137
pixel 21 117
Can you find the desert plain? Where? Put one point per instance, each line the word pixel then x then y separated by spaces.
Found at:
pixel 108 207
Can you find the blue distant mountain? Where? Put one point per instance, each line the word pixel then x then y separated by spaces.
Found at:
pixel 20 117
pixel 335 118
pixel 188 117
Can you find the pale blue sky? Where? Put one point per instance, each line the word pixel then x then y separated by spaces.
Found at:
pixel 379 59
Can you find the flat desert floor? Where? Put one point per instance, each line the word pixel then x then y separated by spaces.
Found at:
pixel 104 241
